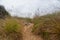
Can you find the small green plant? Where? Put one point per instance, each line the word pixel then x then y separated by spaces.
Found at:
pixel 11 26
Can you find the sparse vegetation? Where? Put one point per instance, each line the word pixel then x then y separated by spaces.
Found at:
pixel 10 30
pixel 47 26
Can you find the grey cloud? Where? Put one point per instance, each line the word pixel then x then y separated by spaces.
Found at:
pixel 28 7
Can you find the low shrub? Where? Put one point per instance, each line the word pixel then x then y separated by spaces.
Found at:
pixel 12 30
pixel 11 26
pixel 48 26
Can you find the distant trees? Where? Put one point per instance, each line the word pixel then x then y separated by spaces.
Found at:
pixel 3 12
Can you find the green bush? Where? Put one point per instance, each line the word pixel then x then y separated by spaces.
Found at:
pixel 11 26
pixel 10 29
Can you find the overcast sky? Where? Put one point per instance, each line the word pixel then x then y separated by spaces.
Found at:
pixel 28 7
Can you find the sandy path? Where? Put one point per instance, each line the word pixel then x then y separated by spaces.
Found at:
pixel 27 35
